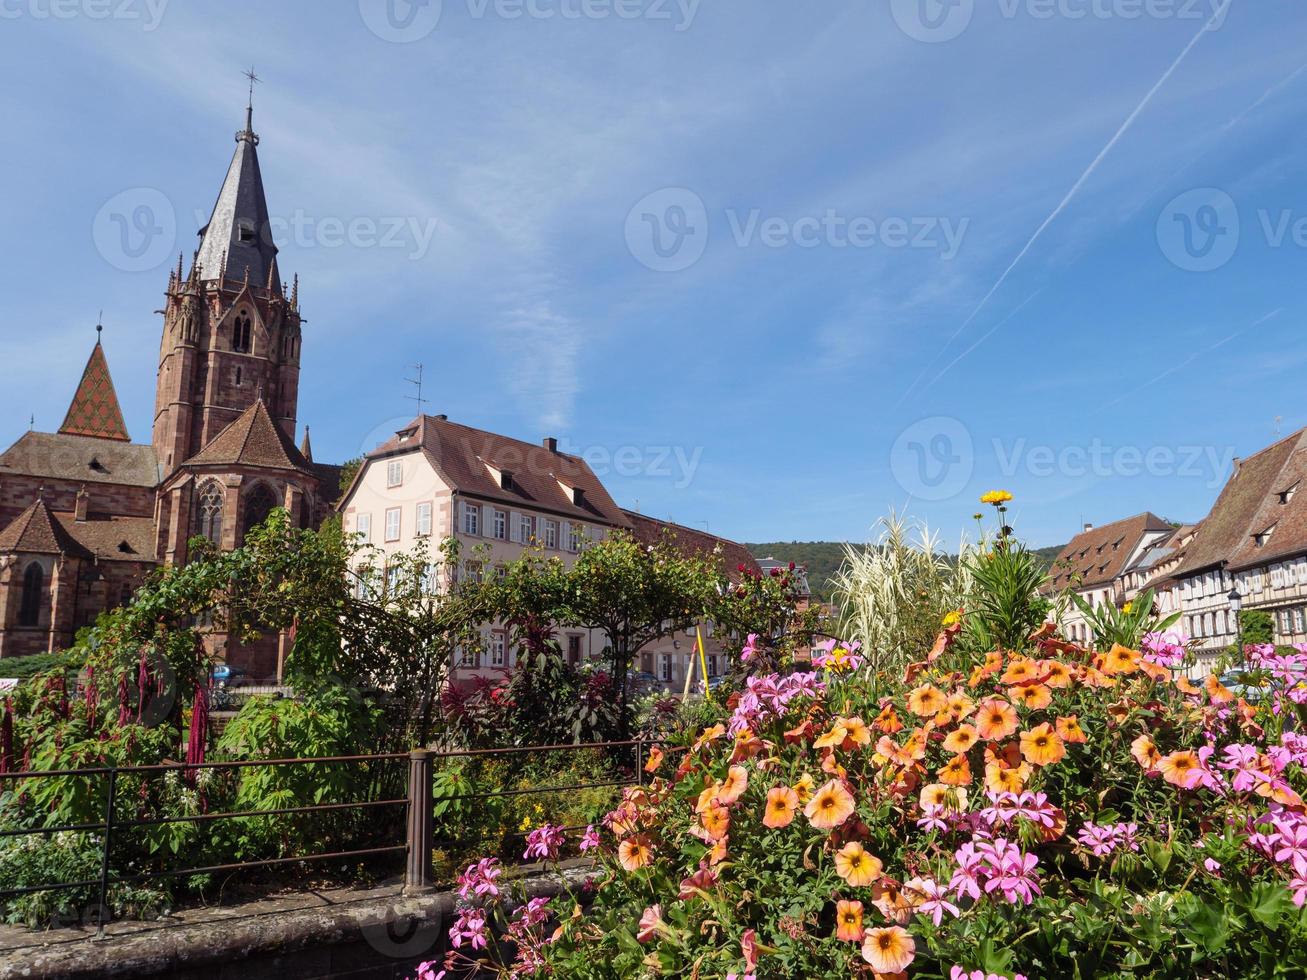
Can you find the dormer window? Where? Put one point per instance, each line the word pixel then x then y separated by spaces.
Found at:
pixel 96 465
pixel 246 232
pixel 1287 495
pixel 1261 539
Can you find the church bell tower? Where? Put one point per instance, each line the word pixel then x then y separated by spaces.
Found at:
pixel 231 334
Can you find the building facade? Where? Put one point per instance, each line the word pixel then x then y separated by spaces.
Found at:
pixel 86 513
pixel 499 497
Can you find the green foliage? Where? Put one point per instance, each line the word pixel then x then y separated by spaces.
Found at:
pixel 1257 626
pixel 348 470
pixel 1004 601
pixel 1126 626
pixel 24 668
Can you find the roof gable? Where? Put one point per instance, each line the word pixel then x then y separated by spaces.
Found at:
pixel 253 439
pixel 94 410
pixel 499 468
pixel 37 531
pixel 1249 504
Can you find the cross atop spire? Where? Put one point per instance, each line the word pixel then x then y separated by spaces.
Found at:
pixel 248 133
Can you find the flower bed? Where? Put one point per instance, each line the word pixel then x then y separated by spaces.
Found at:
pixel 1055 812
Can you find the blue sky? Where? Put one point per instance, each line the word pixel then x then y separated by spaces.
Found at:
pixel 775 268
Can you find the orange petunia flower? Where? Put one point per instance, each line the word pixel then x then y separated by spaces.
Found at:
pixel 889 950
pixel 995 719
pixel 1008 755
pixel 952 798
pixel 714 823
pixel 915 746
pixel 1020 671
pixel 957 772
pixel 1218 692
pixel 706 797
pixel 1187 686
pixel 655 759
pixel 1001 780
pixel 848 921
pixel 858 733
pixel 1041 746
pixel 709 735
pixel 804 788
pixel 888 721
pixel 1069 729
pixel 1056 674
pixel 1181 769
pixel 635 852
pixel 961 739
pixel 1035 697
pixel 718 853
pixel 1155 671
pixel 959 706
pixel 782 801
pixel 830 806
pixel 1093 677
pixel 799 733
pixel 857 867
pixel 1145 752
pixel 926 700
pixel 737 781
pixel 833 738
pixel 1119 660
pixel 892 900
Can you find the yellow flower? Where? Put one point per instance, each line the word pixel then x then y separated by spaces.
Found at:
pixel 953 618
pixel 525 824
pixel 996 497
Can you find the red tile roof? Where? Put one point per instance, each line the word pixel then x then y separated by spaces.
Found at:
pixel 649 530
pixel 94 410
pixel 37 531
pixel 113 538
pixel 1099 555
pixel 1252 503
pixel 461 454
pixel 253 439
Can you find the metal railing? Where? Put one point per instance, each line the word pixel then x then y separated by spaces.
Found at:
pixel 418 806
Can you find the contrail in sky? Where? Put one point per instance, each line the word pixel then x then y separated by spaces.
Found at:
pixel 1070 195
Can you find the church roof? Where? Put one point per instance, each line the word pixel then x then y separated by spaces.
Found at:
pixel 83 459
pixel 113 538
pixel 94 410
pixel 238 236
pixel 253 439
pixel 37 531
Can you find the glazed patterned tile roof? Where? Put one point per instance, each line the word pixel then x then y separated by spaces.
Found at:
pixel 649 530
pixel 463 456
pixel 1264 500
pixel 37 531
pixel 94 410
pixel 1099 555
pixel 253 439
pixel 84 459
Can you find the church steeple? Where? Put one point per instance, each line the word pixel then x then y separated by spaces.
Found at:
pixel 237 241
pixel 94 410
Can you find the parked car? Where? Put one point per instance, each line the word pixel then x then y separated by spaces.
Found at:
pixel 227 675
pixel 642 682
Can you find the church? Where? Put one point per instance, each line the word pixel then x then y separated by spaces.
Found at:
pixel 86 513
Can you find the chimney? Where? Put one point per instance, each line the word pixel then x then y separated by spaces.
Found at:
pixel 1089 527
pixel 551 444
pixel 83 502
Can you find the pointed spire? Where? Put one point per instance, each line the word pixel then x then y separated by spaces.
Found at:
pixel 239 233
pixel 306 447
pixel 94 410
pixel 295 292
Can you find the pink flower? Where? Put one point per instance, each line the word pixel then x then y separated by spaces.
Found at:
pixel 479 879
pixel 544 842
pixel 427 971
pixel 1299 887
pixel 933 818
pixel 960 973
pixel 470 926
pixel 650 922
pixel 934 903
pixel 589 840
pixel 749 949
pixel 750 648
pixel 701 881
pixel 966 879
pixel 1010 871
pixel 1212 866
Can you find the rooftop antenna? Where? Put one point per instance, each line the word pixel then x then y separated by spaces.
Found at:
pixel 249 107
pixel 99 326
pixel 1278 420
pixel 417 384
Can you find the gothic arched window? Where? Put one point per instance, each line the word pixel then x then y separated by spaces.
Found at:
pixel 29 613
pixel 240 334
pixel 209 512
pixel 259 503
